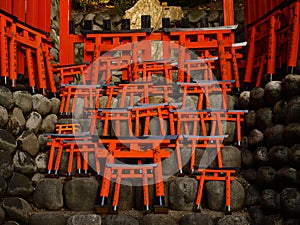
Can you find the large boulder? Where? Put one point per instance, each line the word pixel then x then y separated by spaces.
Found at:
pixel 41 104
pixel 257 97
pixel 55 105
pixel 256 215
pixel 265 176
pixel 19 185
pixel 23 100
pixel 2 215
pixel 7 142
pixel 196 219
pixel 195 15
pixel 255 138
pixel 279 112
pixel 263 118
pixel 41 162
pixel 250 120
pixel 6 97
pixel 34 122
pixel 231 157
pixel 83 219
pixel 290 202
pixel 244 100
pixel 73 192
pixel 274 135
pixel 260 156
pixel 273 92
pixel 270 201
pixel 49 124
pixel 47 218
pixel 293 110
pixel 286 177
pixel 291 134
pixel 48 194
pixel 6 164
pixel 23 163
pixel 29 143
pixel 278 156
pixel 182 193
pixel 247 158
pixel 16 122
pixel 120 220
pixel 294 156
pixel 233 220
pixel 3 116
pixel 215 192
pixel 3 187
pixel 155 10
pixel 253 196
pixel 154 219
pixel 17 209
pixel 291 86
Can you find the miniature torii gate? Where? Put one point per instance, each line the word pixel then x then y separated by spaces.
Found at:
pixel 68 39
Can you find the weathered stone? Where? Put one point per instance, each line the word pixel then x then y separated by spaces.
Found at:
pixel 255 138
pixel 34 122
pixel 37 178
pixel 274 135
pixel 121 219
pixel 100 17
pixel 233 220
pixel 23 163
pixel 253 196
pixel 155 10
pixel 257 97
pixel 17 209
pixel 250 120
pixel 256 215
pixel 154 219
pixel 244 100
pixel 41 104
pixel 3 187
pixel 286 177
pixel 291 134
pixel 28 142
pixel 77 18
pixel 260 156
pixel 270 201
pixel 247 158
pixel 41 161
pixel 2 215
pixel 231 157
pixel 290 202
pixel 20 186
pixel 275 219
pixel 96 27
pixel 47 218
pixel 3 116
pixel 155 126
pixel 16 122
pixel 293 110
pixel 195 15
pixel 55 104
pixel 7 142
pixel 196 219
pixel 250 175
pixel 294 156
pixel 23 100
pixel 291 86
pixel 103 102
pixel 48 194
pixel 48 124
pixel 213 16
pixel 292 222
pixel 279 156
pixel 273 92
pixel 230 130
pixel 182 193
pixel 6 97
pixel 90 219
pixel 279 112
pixel 215 191
pixel 239 16
pixel 90 16
pixel 126 201
pixel 43 142
pixel 73 194
pixel 6 164
pixel 265 176
pixel 263 118
pixel 55 53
